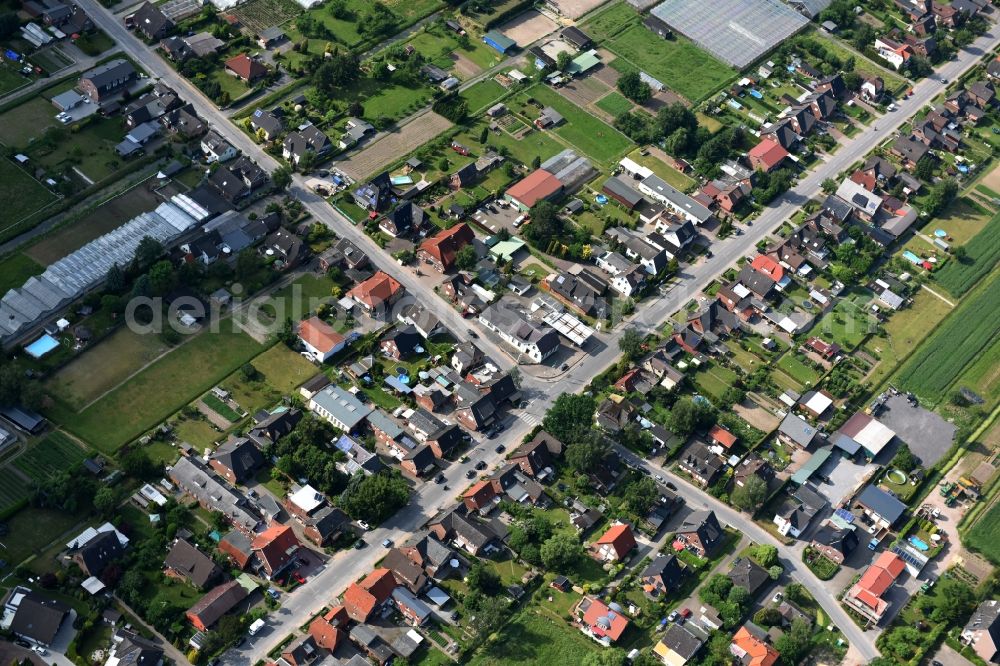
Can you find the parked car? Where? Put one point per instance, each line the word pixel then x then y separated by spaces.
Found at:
pixel 472 334
pixel 363 525
pixel 359 544
pixel 439 478
pixel 470 474
pixel 481 465
pixel 673 616
pixel 386 543
pixel 500 448
pixel 298 578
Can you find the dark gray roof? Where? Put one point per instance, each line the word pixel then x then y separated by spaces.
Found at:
pixel 38 617
pixel 881 503
pixel 748 574
pixel 241 456
pixel 193 564
pixel 110 71
pixel 681 641
pixel 798 430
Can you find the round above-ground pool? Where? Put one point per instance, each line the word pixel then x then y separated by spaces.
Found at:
pixel 896 476
pixel 601 199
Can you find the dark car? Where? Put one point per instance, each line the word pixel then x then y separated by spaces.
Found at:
pixel 439 478
pixel 481 465
pixel 500 448
pixel 470 474
pixel 472 334
pixel 359 544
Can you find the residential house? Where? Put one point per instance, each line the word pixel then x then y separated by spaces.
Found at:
pixel 362 600
pixel 152 22
pixel 195 478
pixel 403 220
pixel 445 441
pixel 300 652
pixel 441 250
pixel 213 605
pixel 275 549
pixel 867 596
pixel 795 431
pixel 185 561
pixel 325 525
pixel 537 457
pixel 419 461
pixel 603 622
pixel 701 464
pixel 405 570
pixel 893 52
pixel 679 644
pixel 237 460
pixel 883 509
pixel 701 533
pixel 340 407
pixel 247 69
pixel 909 150
pixel 321 340
pixel 269 123
pixel 377 292
pixel 835 542
pixel 330 629
pixel 36 617
pixel 307 140
pixel 796 512
pixel 749 575
pixel 238 180
pixel 752 465
pixel 751 646
pixel 673 199
pixel 97 553
pixel 128 647
pixel 531 342
pixel 457 526
pixel 614 545
pixel 376 195
pixel 269 427
pixel 662 576
pixel 402 343
pixel 767 155
pixel 414 611
pixel 982 631
pixel 107 80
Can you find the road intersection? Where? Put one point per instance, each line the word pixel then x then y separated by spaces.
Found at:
pixel 343 568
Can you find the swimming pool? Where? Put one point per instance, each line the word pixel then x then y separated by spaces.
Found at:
pixel 42 346
pixel 918 543
pixel 912 258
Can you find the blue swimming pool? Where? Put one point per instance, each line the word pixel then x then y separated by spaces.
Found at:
pixel 42 346
pixel 912 258
pixel 918 543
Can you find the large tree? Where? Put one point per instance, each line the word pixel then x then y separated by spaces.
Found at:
pixel 751 495
pixel 561 551
pixel 630 344
pixel 632 86
pixel 571 417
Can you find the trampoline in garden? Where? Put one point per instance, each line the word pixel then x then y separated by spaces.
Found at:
pixel 808 305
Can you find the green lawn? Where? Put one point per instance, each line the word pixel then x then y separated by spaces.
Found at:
pixel 26 121
pixel 222 409
pixel 536 637
pixel 798 369
pixel 676 62
pixel 523 150
pixel 20 196
pixel 962 219
pixel 589 134
pixel 609 22
pixel 482 95
pixel 15 269
pixel 714 380
pixel 984 536
pixel 283 371
pixel 391 101
pixel 55 453
pixel 104 366
pixel 160 389
pixel 862 65
pixel 614 103
pixel 905 329
pixel 299 298
pixel 34 529
pixel 669 174
pixel 847 325
pixel 10 78
pixel 958 341
pixel 94 43
pixel 90 149
pixel 983 253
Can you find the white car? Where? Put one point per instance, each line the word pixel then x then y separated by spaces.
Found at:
pixel 38 649
pixel 776 598
pixel 363 525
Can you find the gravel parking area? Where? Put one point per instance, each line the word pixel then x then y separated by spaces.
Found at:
pixel 574 9
pixel 845 476
pixel 928 435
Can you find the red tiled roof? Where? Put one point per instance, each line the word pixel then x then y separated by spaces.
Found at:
pixel 376 290
pixel 768 152
pixel 768 266
pixel 446 244
pixel 865 180
pixel 722 436
pixel 758 653
pixel 319 334
pixel 534 187
pixel 361 599
pixel 275 546
pixel 618 537
pixel 603 621
pixel 479 495
pixel 246 67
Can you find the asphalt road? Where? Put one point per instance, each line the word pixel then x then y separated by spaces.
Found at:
pixel 346 567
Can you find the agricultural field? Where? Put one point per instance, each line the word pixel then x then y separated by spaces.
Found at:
pixel 982 254
pixel 103 367
pixel 589 134
pixel 904 331
pixel 482 95
pixel 953 345
pixel 610 22
pixel 55 453
pixel 984 535
pixel 680 65
pixel 158 390
pixel 20 194
pixel 13 488
pixel 258 15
